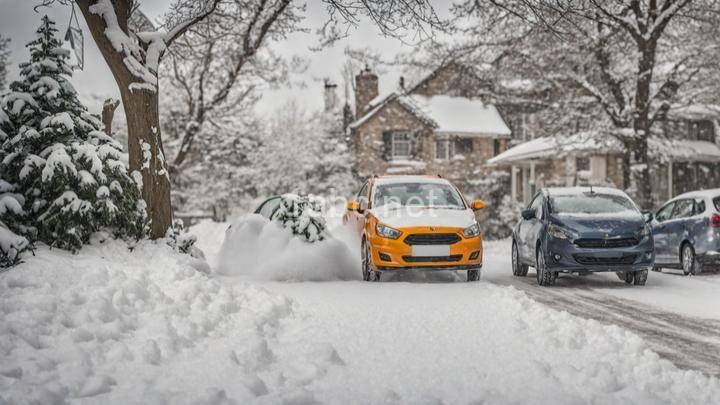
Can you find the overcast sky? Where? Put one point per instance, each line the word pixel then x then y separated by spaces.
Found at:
pixel 19 21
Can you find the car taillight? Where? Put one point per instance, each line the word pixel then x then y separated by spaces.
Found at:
pixel 715 221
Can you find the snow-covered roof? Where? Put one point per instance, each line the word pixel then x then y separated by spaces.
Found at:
pixel 446 114
pixel 461 115
pixel 372 108
pixel 553 147
pixel 585 143
pixel 695 112
pixel 684 149
pixel 705 194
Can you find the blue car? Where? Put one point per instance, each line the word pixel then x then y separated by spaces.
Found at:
pixel 583 230
pixel 687 232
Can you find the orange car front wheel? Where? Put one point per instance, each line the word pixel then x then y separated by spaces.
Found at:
pixel 368 273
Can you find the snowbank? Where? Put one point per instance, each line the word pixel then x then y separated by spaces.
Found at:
pixel 263 250
pixel 479 343
pixel 113 326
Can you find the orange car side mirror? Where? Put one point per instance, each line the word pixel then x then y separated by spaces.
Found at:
pixel 478 205
pixel 353 205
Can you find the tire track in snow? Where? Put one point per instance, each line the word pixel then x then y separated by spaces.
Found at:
pixel 688 342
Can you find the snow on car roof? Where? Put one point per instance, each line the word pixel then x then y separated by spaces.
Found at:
pixel 581 190
pixel 707 194
pixel 410 179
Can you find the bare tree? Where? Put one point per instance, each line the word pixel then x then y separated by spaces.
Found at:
pixel 4 60
pixel 134 54
pixel 214 69
pixel 632 57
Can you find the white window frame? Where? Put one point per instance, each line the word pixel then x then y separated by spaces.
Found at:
pixel 397 139
pixel 449 149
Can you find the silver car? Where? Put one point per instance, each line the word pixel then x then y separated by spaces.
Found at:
pixel 687 232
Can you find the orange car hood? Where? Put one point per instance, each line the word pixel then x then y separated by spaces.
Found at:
pixel 403 217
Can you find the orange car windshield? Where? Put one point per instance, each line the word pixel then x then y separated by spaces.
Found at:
pixel 435 195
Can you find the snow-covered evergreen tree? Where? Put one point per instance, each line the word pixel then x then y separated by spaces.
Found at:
pixel 302 215
pixel 65 173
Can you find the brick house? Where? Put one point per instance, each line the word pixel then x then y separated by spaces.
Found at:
pixel 438 126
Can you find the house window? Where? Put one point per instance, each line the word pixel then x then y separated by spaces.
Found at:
pixel 496 147
pixel 401 145
pixel 582 164
pixel 444 149
pixel 704 130
pixel 463 146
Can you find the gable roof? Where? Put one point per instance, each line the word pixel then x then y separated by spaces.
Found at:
pixel 461 115
pixel 446 114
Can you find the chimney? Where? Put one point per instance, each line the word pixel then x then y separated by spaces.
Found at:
pixel 331 100
pixel 366 89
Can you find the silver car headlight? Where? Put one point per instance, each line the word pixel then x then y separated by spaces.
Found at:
pixel 556 232
pixel 646 232
pixel 471 231
pixel 387 232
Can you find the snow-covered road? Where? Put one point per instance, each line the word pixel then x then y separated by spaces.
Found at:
pixel 427 337
pixel 119 326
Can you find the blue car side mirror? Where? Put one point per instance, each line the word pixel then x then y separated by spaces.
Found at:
pixel 648 216
pixel 528 213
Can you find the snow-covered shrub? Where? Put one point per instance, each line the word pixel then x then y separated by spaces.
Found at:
pixel 260 249
pixel 67 175
pixel 302 215
pixel 501 213
pixel 182 241
pixel 11 245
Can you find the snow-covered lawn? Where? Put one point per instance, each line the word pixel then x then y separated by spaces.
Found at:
pixel 114 326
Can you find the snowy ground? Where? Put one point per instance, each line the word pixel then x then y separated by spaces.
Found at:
pixel 114 326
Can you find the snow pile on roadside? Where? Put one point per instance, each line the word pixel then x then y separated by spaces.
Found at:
pixel 432 343
pixel 263 250
pixel 112 326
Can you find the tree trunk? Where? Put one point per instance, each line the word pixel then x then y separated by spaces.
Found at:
pixel 639 159
pixel 141 109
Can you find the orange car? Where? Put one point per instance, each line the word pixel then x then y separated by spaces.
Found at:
pixel 415 222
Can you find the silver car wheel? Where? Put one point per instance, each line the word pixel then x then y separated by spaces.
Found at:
pixel 688 260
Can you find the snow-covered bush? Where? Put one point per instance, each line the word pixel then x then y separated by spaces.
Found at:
pixel 11 245
pixel 501 213
pixel 302 215
pixel 66 174
pixel 260 249
pixel 182 241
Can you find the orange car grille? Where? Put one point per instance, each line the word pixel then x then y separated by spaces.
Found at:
pixel 432 239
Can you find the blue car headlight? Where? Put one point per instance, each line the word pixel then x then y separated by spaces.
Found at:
pixel 646 232
pixel 387 232
pixel 557 232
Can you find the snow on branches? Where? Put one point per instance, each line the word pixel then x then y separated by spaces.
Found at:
pixel 303 216
pixel 65 176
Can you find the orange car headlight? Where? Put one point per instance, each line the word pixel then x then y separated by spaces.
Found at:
pixel 387 232
pixel 471 231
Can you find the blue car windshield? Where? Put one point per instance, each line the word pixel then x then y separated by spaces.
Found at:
pixel 592 203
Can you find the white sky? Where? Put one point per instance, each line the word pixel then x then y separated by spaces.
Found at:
pixel 19 21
